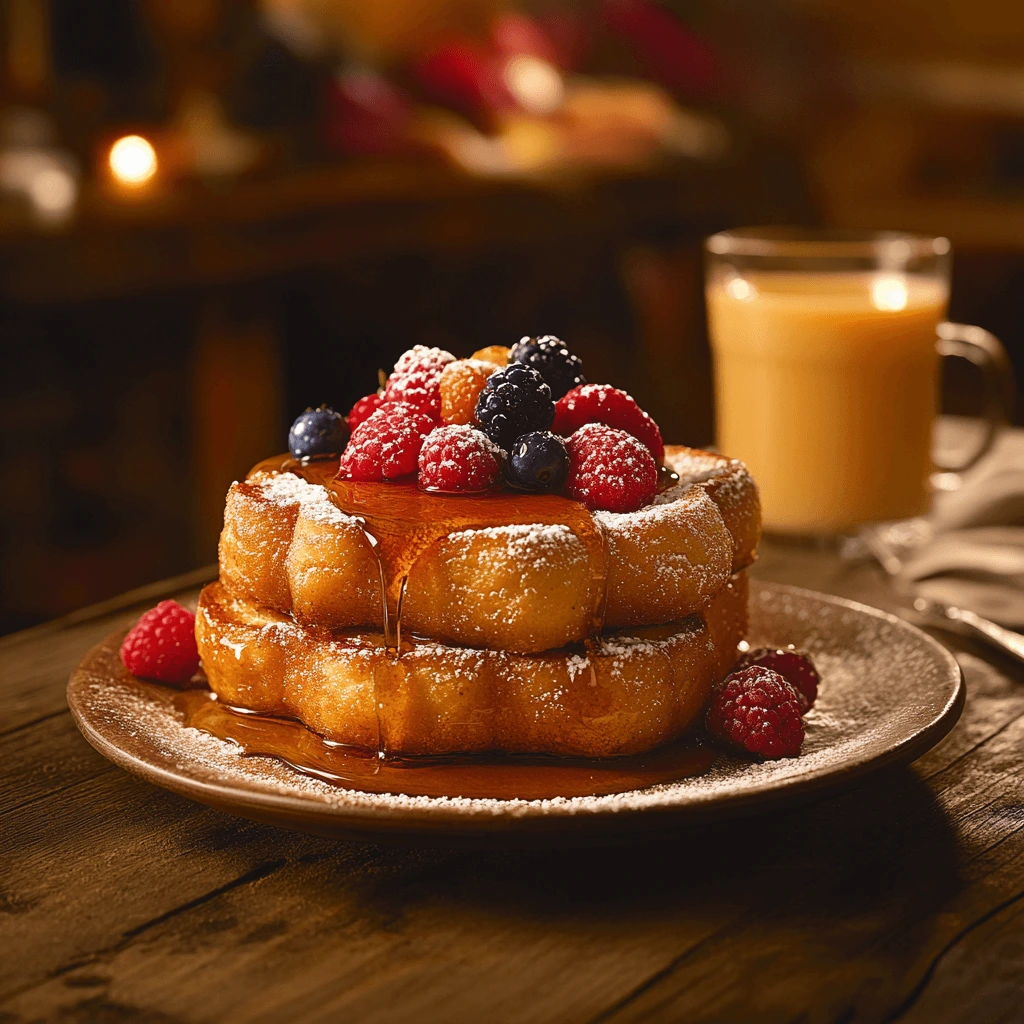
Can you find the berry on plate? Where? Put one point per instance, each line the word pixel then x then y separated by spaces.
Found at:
pixel 797 669
pixel 317 432
pixel 387 444
pixel 416 379
pixel 549 356
pixel 538 462
pixel 162 645
pixel 461 384
pixel 459 458
pixel 363 410
pixel 610 469
pixel 601 403
pixel 514 401
pixel 756 710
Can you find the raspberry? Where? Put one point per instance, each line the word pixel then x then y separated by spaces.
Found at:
pixel 797 669
pixel 386 445
pixel 461 384
pixel 610 469
pixel 420 358
pixel 561 370
pixel 757 710
pixel 162 645
pixel 514 401
pixel 601 403
pixel 416 379
pixel 493 354
pixel 363 410
pixel 458 458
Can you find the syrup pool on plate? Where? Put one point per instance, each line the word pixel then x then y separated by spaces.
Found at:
pixel 472 776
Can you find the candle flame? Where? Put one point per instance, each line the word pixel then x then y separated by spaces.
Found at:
pixel 133 160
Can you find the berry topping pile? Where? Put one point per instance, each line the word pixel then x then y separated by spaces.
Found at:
pixel 561 370
pixel 162 645
pixel 524 415
pixel 610 469
pixel 317 433
pixel 459 458
pixel 601 403
pixel 514 401
pixel 387 445
pixel 756 710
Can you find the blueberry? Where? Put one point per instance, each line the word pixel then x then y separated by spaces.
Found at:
pixel 549 356
pixel 538 462
pixel 317 432
pixel 514 401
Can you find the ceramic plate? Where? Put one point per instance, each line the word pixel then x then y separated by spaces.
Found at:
pixel 889 692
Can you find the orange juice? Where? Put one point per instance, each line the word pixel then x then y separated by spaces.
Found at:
pixel 826 387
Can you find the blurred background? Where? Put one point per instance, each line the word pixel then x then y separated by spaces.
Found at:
pixel 214 213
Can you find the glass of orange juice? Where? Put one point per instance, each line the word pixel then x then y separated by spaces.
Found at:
pixel 826 350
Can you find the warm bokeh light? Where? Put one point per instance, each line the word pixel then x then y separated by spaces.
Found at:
pixel 740 289
pixel 133 160
pixel 53 192
pixel 889 293
pixel 536 84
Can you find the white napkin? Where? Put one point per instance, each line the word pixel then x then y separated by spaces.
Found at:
pixel 974 554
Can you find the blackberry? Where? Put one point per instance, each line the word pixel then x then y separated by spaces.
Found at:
pixel 549 356
pixel 317 432
pixel 538 462
pixel 514 401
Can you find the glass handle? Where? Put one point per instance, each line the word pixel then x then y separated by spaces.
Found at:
pixel 986 352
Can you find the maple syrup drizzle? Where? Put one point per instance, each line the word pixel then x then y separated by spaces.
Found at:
pixel 497 776
pixel 401 522
pixel 667 478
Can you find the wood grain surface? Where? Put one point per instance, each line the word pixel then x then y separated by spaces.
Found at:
pixel 902 900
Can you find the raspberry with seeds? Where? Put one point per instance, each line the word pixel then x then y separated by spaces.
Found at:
pixel 458 458
pixel 756 710
pixel 363 410
pixel 162 645
pixel 797 669
pixel 601 403
pixel 387 445
pixel 610 469
pixel 421 358
pixel 416 379
pixel 461 384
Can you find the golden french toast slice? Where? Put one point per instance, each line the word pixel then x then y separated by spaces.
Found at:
pixel 523 588
pixel 644 687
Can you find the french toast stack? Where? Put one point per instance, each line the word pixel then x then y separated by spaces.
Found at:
pixel 497 650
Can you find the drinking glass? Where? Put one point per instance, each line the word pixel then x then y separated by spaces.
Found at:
pixel 826 349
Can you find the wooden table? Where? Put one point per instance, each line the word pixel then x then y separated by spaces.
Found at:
pixel 902 900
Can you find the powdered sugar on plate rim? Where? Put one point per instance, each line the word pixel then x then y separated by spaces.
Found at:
pixel 860 651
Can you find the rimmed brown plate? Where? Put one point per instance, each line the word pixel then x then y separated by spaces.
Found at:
pixel 889 693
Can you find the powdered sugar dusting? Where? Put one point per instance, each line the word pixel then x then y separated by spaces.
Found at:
pixel 290 489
